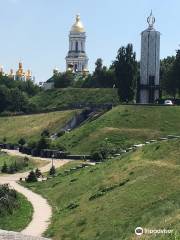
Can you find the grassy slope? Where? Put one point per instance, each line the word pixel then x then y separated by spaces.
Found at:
pixel 31 126
pixel 19 160
pixel 123 126
pixel 64 97
pixel 150 199
pixel 20 218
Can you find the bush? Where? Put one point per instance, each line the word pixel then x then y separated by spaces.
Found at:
pixel 4 168
pixel 43 143
pixel 38 173
pixel 61 133
pixel 31 177
pixel 8 200
pixel 22 141
pixel 45 133
pixel 52 171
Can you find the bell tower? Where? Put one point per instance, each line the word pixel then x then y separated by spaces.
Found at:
pixel 77 60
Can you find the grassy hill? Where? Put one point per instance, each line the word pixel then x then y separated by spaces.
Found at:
pixel 58 98
pixel 20 217
pixel 21 164
pixel 108 201
pixel 124 126
pixel 31 126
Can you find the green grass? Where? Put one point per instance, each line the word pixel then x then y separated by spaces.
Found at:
pixel 32 163
pixel 20 218
pixel 31 126
pixel 124 126
pixel 143 191
pixel 58 98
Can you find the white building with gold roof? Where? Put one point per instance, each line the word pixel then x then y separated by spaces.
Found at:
pixel 77 60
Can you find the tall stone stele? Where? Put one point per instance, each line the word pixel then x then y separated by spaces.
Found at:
pixel 77 60
pixel 148 89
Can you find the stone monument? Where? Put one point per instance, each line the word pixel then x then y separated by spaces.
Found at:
pixel 148 87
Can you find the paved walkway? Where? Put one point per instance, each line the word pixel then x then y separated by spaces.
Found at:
pixel 42 210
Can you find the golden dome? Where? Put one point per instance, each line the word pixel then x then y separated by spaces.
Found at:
pixel 78 26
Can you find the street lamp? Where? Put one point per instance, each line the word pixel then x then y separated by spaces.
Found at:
pixel 53 160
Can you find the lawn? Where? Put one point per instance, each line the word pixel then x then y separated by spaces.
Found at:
pixel 20 162
pixel 108 201
pixel 58 98
pixel 31 126
pixel 20 217
pixel 123 126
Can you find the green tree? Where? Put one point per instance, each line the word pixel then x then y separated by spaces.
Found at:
pixel 126 69
pixel 167 84
pixel 63 80
pixel 38 173
pixel 43 143
pixel 176 71
pixel 22 141
pixel 52 171
pixel 31 177
pixel 102 77
pixel 18 100
pixel 4 98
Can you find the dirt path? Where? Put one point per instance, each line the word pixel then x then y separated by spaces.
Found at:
pixel 42 211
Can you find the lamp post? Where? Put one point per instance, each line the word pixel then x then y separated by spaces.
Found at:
pixel 53 160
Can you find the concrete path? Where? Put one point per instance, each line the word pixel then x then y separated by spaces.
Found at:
pixel 42 211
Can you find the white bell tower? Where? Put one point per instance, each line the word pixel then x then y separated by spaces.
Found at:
pixel 76 59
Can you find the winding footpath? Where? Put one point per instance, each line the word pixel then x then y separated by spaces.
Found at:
pixel 42 211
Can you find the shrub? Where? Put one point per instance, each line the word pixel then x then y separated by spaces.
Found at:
pixel 8 200
pixel 45 133
pixel 60 134
pixel 4 168
pixel 52 171
pixel 31 177
pixel 22 141
pixel 38 173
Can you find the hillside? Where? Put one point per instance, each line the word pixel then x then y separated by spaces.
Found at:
pixel 20 164
pixel 16 212
pixel 124 126
pixel 63 98
pixel 109 200
pixel 31 126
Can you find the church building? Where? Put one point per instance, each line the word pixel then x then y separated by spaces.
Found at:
pixel 77 60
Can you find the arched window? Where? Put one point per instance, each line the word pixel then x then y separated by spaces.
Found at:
pixel 76 46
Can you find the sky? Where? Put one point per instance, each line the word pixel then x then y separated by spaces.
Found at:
pixel 36 31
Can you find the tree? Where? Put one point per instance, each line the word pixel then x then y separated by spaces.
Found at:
pixel 102 77
pixel 31 177
pixel 166 81
pixel 52 171
pixel 18 100
pixel 38 173
pixel 43 143
pixel 176 71
pixel 125 67
pixel 22 141
pixel 4 98
pixel 45 133
pixel 63 80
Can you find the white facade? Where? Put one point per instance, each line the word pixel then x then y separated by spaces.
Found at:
pixel 150 64
pixel 76 58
